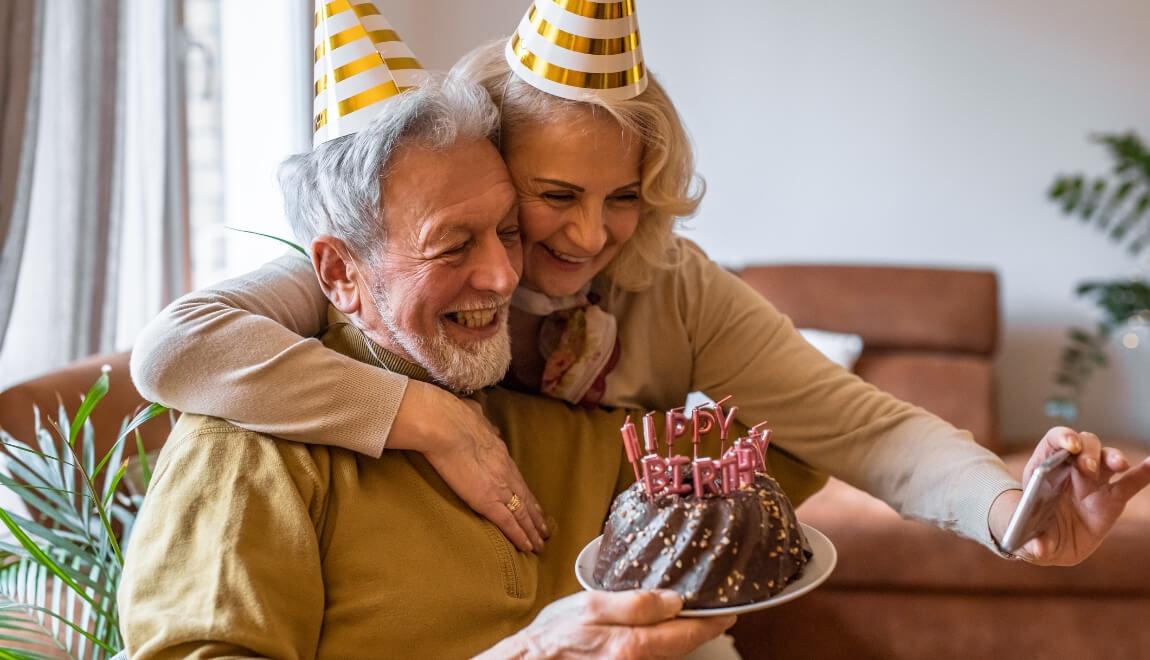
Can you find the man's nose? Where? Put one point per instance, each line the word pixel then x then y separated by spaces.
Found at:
pixel 497 269
pixel 588 230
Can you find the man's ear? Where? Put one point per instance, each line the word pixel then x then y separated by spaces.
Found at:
pixel 338 273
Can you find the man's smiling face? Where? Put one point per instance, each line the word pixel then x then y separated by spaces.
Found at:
pixel 452 258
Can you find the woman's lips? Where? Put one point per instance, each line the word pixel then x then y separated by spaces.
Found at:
pixel 563 261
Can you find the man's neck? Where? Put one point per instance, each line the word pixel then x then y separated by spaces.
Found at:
pixel 342 336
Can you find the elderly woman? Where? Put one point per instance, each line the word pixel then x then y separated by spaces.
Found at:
pixel 613 309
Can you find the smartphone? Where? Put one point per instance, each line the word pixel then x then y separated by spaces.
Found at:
pixel 1039 500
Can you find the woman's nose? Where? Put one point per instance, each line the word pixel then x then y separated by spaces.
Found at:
pixel 588 231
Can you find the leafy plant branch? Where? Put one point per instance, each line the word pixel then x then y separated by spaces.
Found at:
pixel 1118 204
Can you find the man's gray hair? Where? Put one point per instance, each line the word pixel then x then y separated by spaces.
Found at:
pixel 335 189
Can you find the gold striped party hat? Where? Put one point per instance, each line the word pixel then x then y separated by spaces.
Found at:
pixel 360 62
pixel 580 49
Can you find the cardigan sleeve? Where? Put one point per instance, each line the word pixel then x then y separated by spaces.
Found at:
pixel 240 351
pixel 826 416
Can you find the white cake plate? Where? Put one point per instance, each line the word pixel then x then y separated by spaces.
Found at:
pixel 818 569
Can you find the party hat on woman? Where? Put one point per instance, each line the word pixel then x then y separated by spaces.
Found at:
pixel 360 62
pixel 580 50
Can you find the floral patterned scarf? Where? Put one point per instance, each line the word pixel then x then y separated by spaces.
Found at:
pixel 579 342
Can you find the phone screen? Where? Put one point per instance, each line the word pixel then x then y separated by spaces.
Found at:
pixel 1039 500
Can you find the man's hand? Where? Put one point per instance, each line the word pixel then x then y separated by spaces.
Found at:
pixel 1101 482
pixel 465 449
pixel 603 624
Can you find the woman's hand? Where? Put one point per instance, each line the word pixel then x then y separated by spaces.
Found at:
pixel 466 451
pixel 1101 482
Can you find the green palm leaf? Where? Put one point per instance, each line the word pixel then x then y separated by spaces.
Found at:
pixel 58 579
pixel 151 412
pixel 95 394
pixel 294 246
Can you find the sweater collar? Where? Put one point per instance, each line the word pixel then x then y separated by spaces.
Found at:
pixel 343 337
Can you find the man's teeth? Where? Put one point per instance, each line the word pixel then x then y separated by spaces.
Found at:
pixel 475 318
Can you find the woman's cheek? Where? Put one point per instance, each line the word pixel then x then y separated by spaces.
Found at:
pixel 537 221
pixel 624 225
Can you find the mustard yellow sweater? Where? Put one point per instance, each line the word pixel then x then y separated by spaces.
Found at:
pixel 249 545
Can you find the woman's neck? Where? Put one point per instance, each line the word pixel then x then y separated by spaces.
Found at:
pixel 527 363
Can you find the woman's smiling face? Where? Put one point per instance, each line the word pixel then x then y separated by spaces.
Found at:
pixel 578 180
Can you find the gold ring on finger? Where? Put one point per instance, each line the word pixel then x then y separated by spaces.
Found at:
pixel 514 504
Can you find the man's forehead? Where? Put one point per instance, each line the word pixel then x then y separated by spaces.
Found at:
pixel 448 181
pixel 439 218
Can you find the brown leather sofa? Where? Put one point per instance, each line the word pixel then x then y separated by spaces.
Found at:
pixel 68 385
pixel 901 589
pixel 905 590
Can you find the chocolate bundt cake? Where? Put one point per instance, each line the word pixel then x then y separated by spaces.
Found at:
pixel 721 551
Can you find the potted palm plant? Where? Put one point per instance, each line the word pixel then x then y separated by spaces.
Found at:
pixel 60 570
pixel 1118 204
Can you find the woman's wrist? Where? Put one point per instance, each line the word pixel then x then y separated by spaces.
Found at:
pixel 998 518
pixel 418 424
pixel 513 647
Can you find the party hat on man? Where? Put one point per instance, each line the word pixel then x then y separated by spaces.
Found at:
pixel 580 50
pixel 360 62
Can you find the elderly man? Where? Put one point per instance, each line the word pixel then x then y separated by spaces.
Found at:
pixel 250 545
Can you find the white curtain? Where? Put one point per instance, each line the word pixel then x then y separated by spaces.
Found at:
pixel 21 23
pixel 106 244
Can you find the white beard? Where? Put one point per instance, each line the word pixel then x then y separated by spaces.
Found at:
pixel 459 368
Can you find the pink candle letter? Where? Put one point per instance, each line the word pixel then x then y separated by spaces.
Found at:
pixel 678 463
pixel 675 427
pixel 729 472
pixel 725 420
pixel 702 421
pixel 654 474
pixel 631 444
pixel 650 440
pixel 706 470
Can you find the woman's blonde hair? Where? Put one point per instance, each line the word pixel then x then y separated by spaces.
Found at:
pixel 670 188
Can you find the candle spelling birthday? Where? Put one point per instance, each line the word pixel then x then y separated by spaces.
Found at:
pixel 677 474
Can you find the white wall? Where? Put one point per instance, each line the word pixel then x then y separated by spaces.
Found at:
pixel 900 131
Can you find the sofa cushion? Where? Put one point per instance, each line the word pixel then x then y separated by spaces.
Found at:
pixel 958 388
pixel 842 348
pixel 890 307
pixel 879 550
pixel 69 384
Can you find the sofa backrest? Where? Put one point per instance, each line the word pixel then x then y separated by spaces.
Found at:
pixel 70 383
pixel 929 334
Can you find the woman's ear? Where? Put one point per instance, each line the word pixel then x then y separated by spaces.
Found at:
pixel 338 273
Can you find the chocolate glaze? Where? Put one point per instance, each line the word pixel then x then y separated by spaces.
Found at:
pixel 716 551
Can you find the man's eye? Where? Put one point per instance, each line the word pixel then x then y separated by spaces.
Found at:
pixel 454 250
pixel 509 234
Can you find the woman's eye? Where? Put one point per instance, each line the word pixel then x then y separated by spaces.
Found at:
pixel 626 197
pixel 558 196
